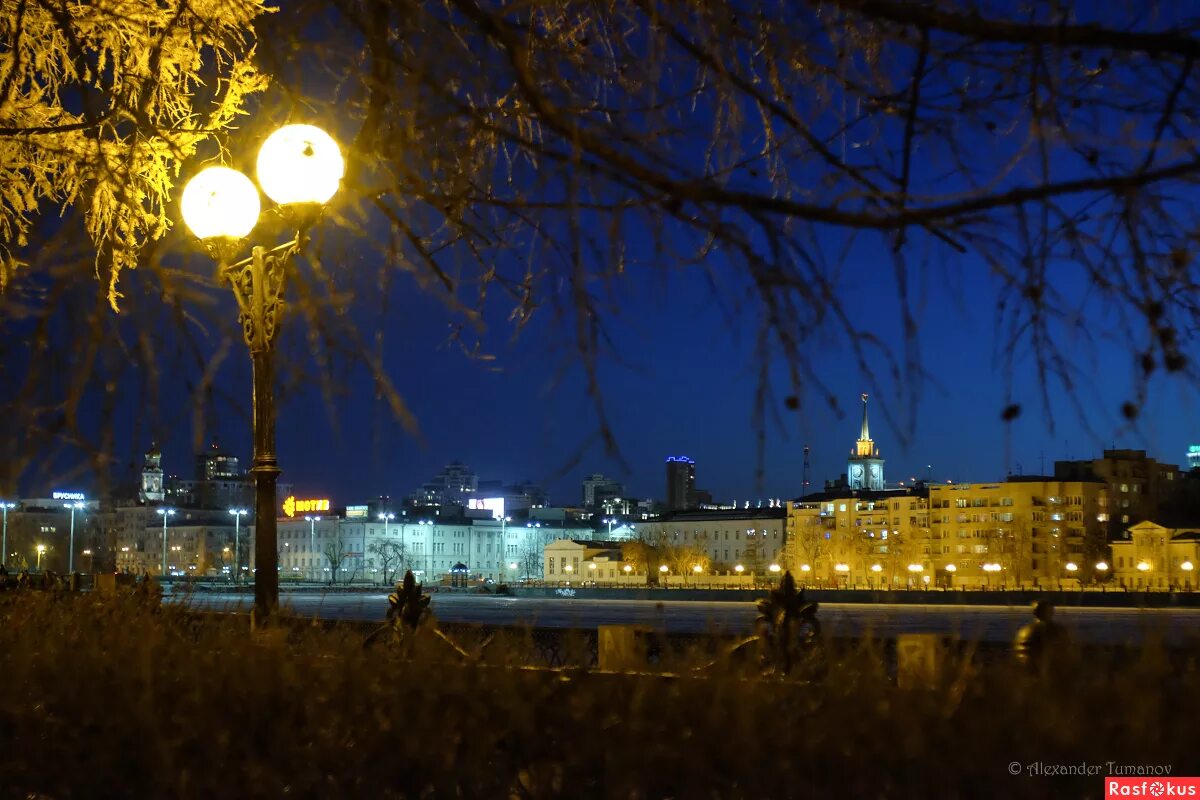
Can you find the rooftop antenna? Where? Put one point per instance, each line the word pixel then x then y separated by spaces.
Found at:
pixel 804 478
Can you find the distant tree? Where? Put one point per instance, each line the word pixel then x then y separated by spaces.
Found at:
pixel 683 558
pixel 393 557
pixel 808 544
pixel 335 553
pixel 532 558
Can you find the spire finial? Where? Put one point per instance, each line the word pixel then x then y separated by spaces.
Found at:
pixel 866 431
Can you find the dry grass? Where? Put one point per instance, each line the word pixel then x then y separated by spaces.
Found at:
pixel 115 699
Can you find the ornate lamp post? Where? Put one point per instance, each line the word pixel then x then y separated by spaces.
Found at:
pixel 300 168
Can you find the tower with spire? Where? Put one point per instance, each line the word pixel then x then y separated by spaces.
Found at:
pixel 865 468
pixel 152 476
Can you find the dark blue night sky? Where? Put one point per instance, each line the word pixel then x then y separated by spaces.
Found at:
pixel 682 381
pixel 680 378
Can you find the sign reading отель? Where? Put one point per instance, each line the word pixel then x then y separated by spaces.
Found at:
pixel 292 506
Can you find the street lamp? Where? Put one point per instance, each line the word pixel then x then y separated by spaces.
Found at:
pixel 312 542
pixel 164 513
pixel 299 167
pixel 4 553
pixel 739 569
pixel 503 541
pixel 385 517
pixel 1186 566
pixel 237 541
pixel 1101 566
pixel 1143 566
pixel 71 551
pixel 41 548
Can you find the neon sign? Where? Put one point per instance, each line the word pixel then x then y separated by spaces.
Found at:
pixel 292 506
pixel 68 496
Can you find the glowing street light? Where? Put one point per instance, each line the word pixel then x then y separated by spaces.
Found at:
pixel 1102 566
pixel 628 568
pixel 71 551
pixel 41 549
pixel 697 569
pixel 299 167
pixel 951 568
pixel 164 513
pixel 876 568
pixel 807 568
pixel 1071 566
pixel 5 508
pixel 1186 566
pixel 237 513
pixel 916 568
pixel 1143 566
pixel 312 542
pixel 841 567
pixel 739 569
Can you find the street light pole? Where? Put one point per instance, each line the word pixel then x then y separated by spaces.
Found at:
pixel 503 541
pixel 71 541
pixel 299 167
pixel 164 513
pixel 386 517
pixel 4 554
pixel 312 543
pixel 237 542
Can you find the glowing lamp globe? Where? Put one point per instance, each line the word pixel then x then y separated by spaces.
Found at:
pixel 300 164
pixel 220 202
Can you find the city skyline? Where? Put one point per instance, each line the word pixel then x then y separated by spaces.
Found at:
pixel 179 462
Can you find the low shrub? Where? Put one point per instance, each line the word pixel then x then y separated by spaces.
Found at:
pixel 120 697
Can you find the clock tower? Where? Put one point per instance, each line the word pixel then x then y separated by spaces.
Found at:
pixel 865 468
pixel 152 477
